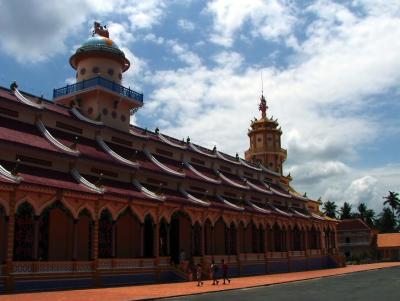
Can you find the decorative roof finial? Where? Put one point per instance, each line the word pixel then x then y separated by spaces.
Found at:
pixel 263 103
pixel 263 107
pixel 14 86
pixel 100 30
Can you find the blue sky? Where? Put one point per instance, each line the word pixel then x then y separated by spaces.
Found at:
pixel 331 73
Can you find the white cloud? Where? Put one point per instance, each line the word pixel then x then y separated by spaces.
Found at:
pixel 320 98
pixel 366 185
pixel 143 14
pixel 184 54
pixel 186 25
pixel 313 172
pixel 230 60
pixel 271 19
pixel 34 30
pixel 151 37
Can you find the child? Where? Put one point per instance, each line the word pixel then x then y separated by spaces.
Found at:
pixel 214 271
pixel 198 275
pixel 225 271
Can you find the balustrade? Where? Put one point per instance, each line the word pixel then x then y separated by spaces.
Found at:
pixel 277 254
pixel 98 81
pixel 315 252
pixel 164 261
pixel 297 253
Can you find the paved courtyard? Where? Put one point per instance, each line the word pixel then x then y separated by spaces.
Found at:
pixel 366 286
pixel 372 282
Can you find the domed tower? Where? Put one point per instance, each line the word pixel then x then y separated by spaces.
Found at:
pixel 265 141
pixel 98 94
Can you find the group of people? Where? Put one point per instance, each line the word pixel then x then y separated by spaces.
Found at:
pixel 214 269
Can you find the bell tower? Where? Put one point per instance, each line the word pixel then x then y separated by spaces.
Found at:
pixel 265 141
pixel 98 95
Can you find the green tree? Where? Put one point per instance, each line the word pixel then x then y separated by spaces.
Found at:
pixel 345 211
pixel 330 209
pixel 392 200
pixel 367 215
pixel 387 221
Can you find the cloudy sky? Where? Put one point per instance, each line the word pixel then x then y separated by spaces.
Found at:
pixel 331 73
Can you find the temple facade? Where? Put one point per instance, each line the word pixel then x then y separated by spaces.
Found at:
pixel 88 200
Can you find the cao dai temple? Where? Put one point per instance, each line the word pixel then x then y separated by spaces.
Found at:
pixel 87 200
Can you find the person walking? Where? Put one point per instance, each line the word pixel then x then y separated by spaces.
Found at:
pixel 199 275
pixel 225 272
pixel 214 272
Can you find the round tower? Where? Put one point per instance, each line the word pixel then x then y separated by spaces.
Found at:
pixel 265 141
pixel 98 93
pixel 99 56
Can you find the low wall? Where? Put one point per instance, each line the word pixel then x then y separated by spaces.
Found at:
pixel 22 280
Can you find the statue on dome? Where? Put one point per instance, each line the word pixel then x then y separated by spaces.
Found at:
pixel 100 30
pixel 263 106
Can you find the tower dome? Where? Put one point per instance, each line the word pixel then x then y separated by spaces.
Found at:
pixel 98 94
pixel 100 46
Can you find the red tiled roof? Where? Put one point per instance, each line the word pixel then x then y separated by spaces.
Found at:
pixel 27 134
pixel 352 224
pixel 24 134
pixel 205 171
pixel 49 105
pixel 47 178
pixel 388 240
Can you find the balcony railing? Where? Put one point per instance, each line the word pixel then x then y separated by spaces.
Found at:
pixel 101 82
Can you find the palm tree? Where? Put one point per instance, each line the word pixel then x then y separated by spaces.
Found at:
pixel 370 217
pixel 330 209
pixel 362 210
pixel 392 200
pixel 367 215
pixel 345 211
pixel 387 221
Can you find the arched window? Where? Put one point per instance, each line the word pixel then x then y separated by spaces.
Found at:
pixel 3 234
pixel 105 234
pixel 148 239
pixel 24 232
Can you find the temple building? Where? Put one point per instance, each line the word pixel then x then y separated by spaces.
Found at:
pixel 88 200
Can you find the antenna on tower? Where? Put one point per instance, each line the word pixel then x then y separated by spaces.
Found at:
pixel 262 84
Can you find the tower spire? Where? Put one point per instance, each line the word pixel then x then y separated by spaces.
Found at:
pixel 263 103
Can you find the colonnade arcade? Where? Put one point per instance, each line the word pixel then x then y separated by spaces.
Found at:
pixel 57 232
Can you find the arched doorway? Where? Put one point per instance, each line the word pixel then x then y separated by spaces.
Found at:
pixel 278 238
pixel 180 237
pixel 313 241
pixel 163 235
pixel 3 234
pixel 242 237
pixel 269 238
pixel 105 234
pixel 232 239
pixel 261 239
pixel 208 237
pixel 257 239
pixel 220 237
pixel 84 234
pixel 128 235
pixel 296 238
pixel 196 244
pixel 24 232
pixel 148 238
pixel 58 224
